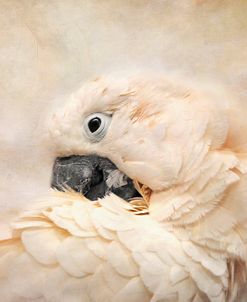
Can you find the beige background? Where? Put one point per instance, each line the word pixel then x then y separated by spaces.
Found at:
pixel 48 47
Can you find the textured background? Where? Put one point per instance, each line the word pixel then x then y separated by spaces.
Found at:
pixel 48 47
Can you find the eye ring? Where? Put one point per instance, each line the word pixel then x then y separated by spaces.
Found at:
pixel 96 126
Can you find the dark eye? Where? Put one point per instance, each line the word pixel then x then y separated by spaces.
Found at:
pixel 96 126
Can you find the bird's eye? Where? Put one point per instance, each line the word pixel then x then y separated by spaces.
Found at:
pixel 96 125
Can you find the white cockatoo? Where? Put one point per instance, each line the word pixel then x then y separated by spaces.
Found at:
pixel 183 237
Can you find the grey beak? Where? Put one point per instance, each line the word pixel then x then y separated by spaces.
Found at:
pixel 92 176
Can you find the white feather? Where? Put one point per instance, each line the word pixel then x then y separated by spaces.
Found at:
pixel 134 291
pixel 75 258
pixel 42 244
pixel 122 261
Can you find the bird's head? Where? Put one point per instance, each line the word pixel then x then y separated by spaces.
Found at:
pixel 153 129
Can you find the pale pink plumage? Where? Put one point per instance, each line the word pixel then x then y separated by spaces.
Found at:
pixel 186 149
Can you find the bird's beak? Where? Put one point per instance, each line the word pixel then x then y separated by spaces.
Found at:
pixel 92 176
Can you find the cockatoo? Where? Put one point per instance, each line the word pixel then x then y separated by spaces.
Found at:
pixel 150 201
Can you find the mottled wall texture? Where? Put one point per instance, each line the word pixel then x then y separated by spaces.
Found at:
pixel 48 47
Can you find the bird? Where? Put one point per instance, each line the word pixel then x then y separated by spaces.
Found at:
pixel 149 198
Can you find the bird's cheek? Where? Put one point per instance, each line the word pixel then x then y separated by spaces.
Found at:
pixel 146 172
